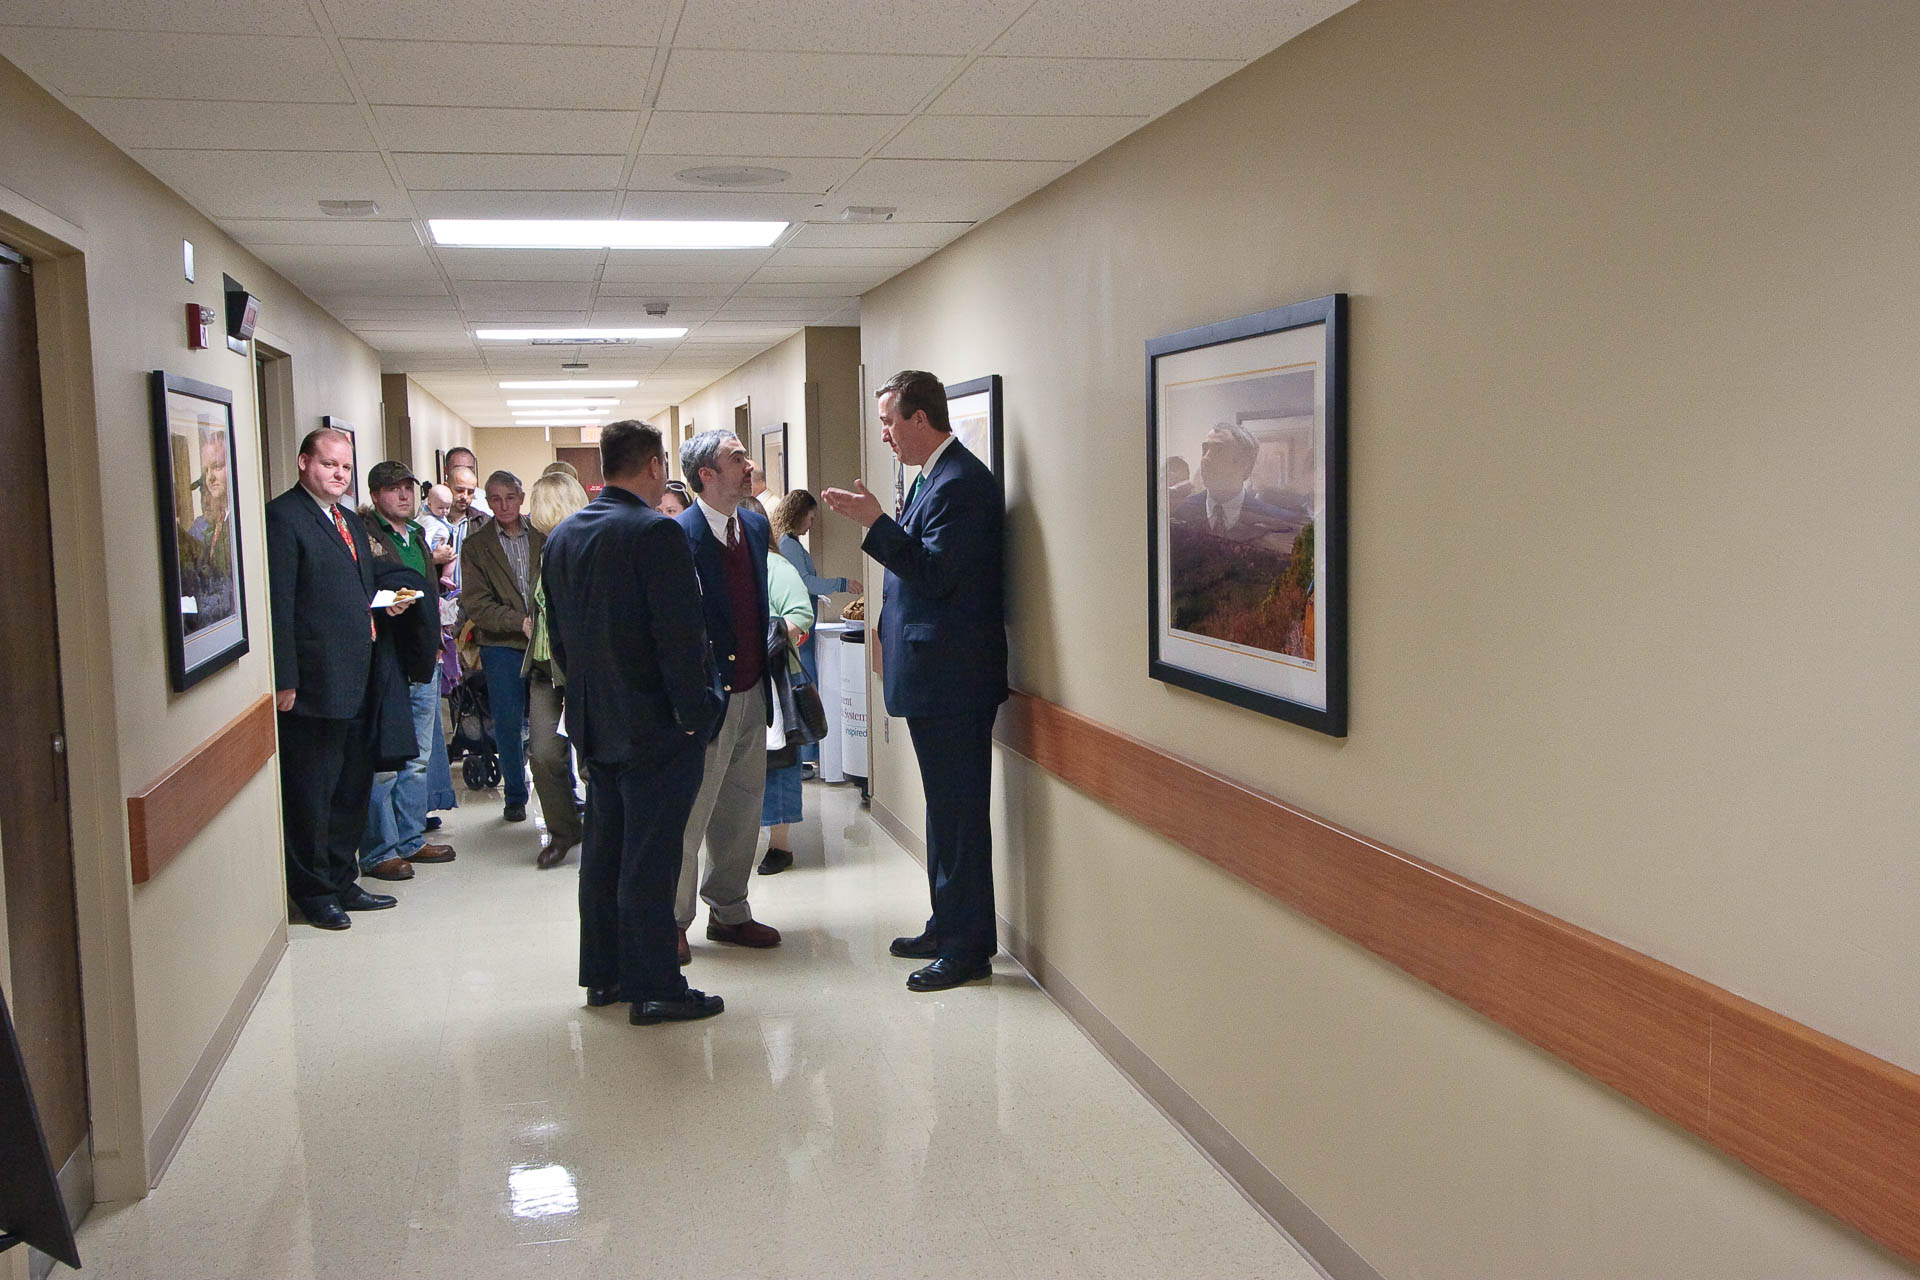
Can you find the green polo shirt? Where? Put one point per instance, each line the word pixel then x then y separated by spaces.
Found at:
pixel 412 546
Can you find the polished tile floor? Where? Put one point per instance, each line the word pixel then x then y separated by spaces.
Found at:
pixel 427 1096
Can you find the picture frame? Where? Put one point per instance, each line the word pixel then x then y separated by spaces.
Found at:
pixel 1247 512
pixel 332 423
pixel 202 561
pixel 439 466
pixel 975 413
pixel 773 459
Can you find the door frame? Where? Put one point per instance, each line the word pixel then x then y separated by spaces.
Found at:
pixel 103 886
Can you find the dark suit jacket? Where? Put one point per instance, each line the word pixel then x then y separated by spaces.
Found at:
pixel 624 620
pixel 943 624
pixel 713 587
pixel 322 648
pixel 488 593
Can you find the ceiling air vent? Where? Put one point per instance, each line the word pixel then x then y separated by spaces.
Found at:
pixel 868 213
pixel 349 208
pixel 733 175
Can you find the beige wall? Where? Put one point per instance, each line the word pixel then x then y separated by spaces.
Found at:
pixel 775 385
pixel 1632 581
pixel 430 425
pixel 525 451
pixel 165 961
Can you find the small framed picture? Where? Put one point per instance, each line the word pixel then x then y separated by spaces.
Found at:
pixel 773 459
pixel 1247 512
pixel 974 413
pixel 203 571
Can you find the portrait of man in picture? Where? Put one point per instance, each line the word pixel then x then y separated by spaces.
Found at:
pixel 206 545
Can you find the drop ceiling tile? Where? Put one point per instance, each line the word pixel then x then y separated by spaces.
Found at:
pixel 752 206
pixel 344 304
pixel 336 262
pixel 936 190
pixel 440 172
pixel 635 315
pixel 667 265
pixel 848 256
pixel 656 173
pixel 404 324
pixel 516 204
pixel 580 22
pixel 224 68
pixel 847 281
pixel 517 319
pixel 716 80
pixel 266 231
pixel 221 17
pixel 738 133
pixel 422 361
pixel 1077 86
pixel 272 184
pixel 430 74
pixel 853 26
pixel 506 129
pixel 404 340
pixel 257 126
pixel 844 235
pixel 420 294
pixel 1238 29
pixel 1068 138
pixel 524 295
pixel 521 264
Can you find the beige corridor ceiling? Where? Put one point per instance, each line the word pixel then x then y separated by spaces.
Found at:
pixel 947 110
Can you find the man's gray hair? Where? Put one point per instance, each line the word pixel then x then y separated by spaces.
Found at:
pixel 507 478
pixel 703 451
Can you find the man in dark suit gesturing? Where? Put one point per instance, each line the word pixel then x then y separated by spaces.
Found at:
pixel 943 639
pixel 625 625
pixel 321 571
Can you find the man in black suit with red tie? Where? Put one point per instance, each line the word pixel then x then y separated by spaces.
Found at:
pixel 321 573
pixel 943 638
pixel 626 627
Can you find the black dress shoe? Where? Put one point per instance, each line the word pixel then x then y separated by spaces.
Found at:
pixel 776 861
pixel 695 1004
pixel 923 947
pixel 944 973
pixel 358 899
pixel 601 997
pixel 329 918
pixel 514 813
pixel 433 822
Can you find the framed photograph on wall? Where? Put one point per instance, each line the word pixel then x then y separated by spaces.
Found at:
pixel 195 456
pixel 1247 512
pixel 773 459
pixel 340 424
pixel 974 413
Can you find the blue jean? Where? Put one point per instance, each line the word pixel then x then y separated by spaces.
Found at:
pixel 397 809
pixel 782 802
pixel 439 779
pixel 507 699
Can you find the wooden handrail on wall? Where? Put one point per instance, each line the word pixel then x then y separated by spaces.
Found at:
pixel 164 819
pixel 1834 1125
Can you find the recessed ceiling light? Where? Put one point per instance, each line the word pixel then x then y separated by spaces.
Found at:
pixel 628 233
pixel 569 337
pixel 733 175
pixel 567 384
pixel 579 402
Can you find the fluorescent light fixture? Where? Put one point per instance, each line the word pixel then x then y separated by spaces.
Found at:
pixel 586 233
pixel 565 384
pixel 577 335
pixel 579 402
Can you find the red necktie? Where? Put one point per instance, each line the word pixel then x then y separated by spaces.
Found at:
pixel 340 523
pixel 732 542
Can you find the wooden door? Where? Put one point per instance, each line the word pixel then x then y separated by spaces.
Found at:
pixel 585 458
pixel 35 840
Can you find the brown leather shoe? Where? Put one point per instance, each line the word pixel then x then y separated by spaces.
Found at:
pixel 552 854
pixel 433 853
pixel 391 869
pixel 685 951
pixel 748 933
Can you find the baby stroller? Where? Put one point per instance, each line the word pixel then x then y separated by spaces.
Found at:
pixel 473 732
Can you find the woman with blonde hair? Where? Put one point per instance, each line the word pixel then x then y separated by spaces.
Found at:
pixel 553 498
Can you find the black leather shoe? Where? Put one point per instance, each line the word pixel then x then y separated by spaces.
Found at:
pixel 944 973
pixel 923 947
pixel 601 997
pixel 433 822
pixel 776 861
pixel 358 899
pixel 329 918
pixel 695 1004
pixel 514 813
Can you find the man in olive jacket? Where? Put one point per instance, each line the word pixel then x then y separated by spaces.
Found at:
pixel 498 566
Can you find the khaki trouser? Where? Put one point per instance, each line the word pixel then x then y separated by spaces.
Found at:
pixel 726 815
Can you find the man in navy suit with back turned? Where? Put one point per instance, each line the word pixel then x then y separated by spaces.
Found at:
pixel 320 569
pixel 625 624
pixel 943 639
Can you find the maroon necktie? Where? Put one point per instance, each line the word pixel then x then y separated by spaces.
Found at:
pixel 732 542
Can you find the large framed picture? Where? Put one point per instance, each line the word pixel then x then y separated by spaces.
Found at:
pixel 195 457
pixel 1247 512
pixel 974 413
pixel 773 460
